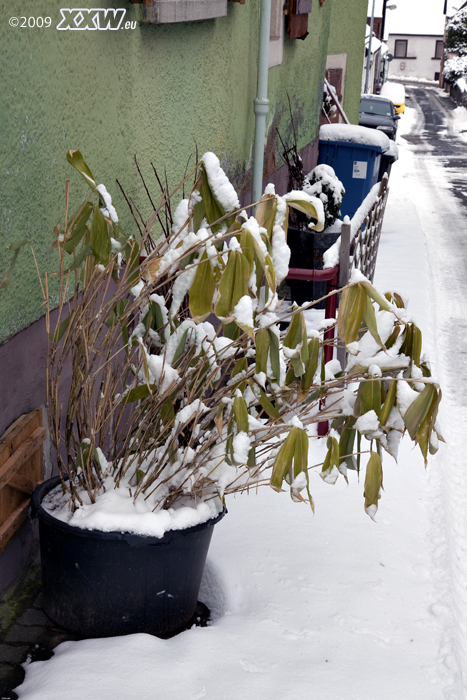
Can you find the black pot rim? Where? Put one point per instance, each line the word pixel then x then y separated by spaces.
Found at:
pixel 37 511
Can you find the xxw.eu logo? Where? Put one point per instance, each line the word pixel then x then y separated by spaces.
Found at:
pixel 80 19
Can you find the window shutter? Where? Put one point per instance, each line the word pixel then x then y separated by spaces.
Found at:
pixel 297 18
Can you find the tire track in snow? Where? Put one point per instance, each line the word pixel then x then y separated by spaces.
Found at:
pixel 443 223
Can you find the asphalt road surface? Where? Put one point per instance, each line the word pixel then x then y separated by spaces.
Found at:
pixel 434 135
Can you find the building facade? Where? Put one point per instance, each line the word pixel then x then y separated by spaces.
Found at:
pixel 415 55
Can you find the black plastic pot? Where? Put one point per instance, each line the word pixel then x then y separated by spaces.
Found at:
pixel 102 584
pixel 307 248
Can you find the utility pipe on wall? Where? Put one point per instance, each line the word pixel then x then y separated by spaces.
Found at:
pixel 368 58
pixel 261 102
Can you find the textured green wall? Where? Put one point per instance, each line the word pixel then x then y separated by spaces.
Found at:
pixel 347 35
pixel 154 91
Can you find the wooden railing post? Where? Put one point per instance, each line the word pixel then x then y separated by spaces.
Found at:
pixel 344 274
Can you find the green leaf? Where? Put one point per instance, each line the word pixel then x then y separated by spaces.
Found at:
pixel 368 398
pixel 231 330
pixel 310 368
pixel 267 406
pixel 370 320
pixel 138 393
pixel 83 253
pixel 418 410
pixel 77 227
pixel 233 285
pixel 240 414
pixel 57 334
pixel 330 468
pixel 346 446
pixel 202 290
pixel 199 212
pixel 247 244
pixel 262 350
pixel 427 426
pixel 393 337
pixel 266 213
pixel 373 484
pixel 376 296
pixel 307 208
pixel 100 238
pixel 214 209
pixel 395 298
pixel 130 252
pixel 352 308
pixel 416 346
pixel 301 452
pixel 389 403
pixel 77 161
pixel 180 349
pixel 274 355
pixel 283 461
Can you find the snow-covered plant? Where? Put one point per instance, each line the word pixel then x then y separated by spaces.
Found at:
pixel 184 388
pixel 322 182
pixel 455 66
pixel 329 101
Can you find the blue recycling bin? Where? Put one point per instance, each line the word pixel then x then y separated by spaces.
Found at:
pixel 355 154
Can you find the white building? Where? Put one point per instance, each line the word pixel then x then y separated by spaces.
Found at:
pixel 415 55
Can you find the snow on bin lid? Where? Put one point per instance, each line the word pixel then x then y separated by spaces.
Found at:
pixel 350 133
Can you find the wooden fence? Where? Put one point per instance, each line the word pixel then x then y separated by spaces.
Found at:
pixel 358 250
pixel 360 237
pixel 21 470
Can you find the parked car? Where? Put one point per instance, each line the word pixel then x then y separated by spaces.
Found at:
pixel 396 93
pixel 378 113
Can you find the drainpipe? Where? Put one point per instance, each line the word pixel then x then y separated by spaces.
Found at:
pixel 368 59
pixel 261 102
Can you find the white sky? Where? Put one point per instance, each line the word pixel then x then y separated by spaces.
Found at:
pixel 414 16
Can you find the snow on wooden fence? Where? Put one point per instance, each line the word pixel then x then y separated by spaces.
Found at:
pixel 359 240
pixel 21 469
pixel 355 249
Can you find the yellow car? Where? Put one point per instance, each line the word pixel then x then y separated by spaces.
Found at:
pixel 396 93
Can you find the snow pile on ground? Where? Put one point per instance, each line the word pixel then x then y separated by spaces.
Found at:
pixel 459 116
pixel 413 79
pixel 303 606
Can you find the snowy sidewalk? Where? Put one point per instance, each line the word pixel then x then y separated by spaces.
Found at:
pixel 331 605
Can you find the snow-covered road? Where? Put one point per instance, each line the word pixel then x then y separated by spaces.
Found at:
pixel 335 606
pixel 432 186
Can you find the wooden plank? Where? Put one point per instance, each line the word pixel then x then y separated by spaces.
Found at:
pixel 23 484
pixel 17 459
pixel 13 523
pixel 20 430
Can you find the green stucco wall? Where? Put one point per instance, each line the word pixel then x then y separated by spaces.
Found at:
pixel 153 91
pixel 347 35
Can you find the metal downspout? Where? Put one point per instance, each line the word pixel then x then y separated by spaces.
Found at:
pixel 368 60
pixel 261 102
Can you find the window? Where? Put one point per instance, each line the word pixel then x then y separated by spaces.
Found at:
pixel 276 33
pixel 379 107
pixel 400 48
pixel 439 49
pixel 166 11
pixel 297 18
